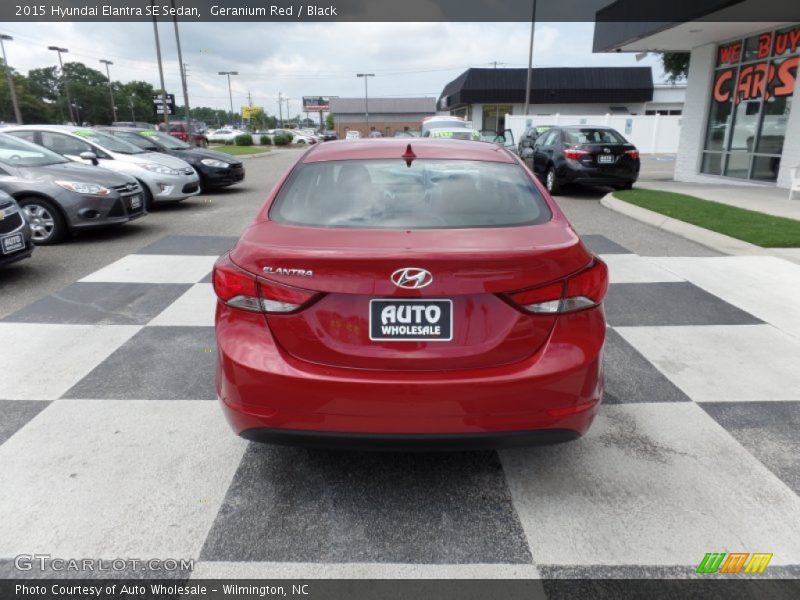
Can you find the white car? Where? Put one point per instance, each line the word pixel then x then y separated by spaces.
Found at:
pixel 224 135
pixel 163 178
pixel 298 137
pixel 353 135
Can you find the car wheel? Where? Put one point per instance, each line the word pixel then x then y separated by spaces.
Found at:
pixel 46 221
pixel 551 182
pixel 301 142
pixel 149 203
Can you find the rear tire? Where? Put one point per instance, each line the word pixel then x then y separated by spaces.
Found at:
pixel 551 182
pixel 47 224
pixel 149 203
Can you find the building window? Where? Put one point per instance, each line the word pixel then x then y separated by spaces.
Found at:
pixel 751 96
pixel 494 116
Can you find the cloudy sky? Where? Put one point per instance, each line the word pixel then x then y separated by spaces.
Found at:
pixel 408 59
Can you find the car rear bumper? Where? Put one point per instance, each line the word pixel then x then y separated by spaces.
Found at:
pixel 215 177
pixel 599 176
pixel 269 395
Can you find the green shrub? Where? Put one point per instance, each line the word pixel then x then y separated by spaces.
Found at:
pixel 283 139
pixel 229 142
pixel 244 140
pixel 266 140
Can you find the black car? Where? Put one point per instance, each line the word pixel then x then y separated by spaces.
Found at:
pixel 215 169
pixel 15 234
pixel 528 137
pixel 584 154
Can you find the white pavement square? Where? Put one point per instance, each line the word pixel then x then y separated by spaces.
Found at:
pixel 650 484
pixel 105 478
pixel 765 286
pixel 723 363
pixel 42 361
pixel 155 268
pixel 632 268
pixel 194 308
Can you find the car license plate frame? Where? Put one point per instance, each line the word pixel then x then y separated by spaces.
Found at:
pixel 606 159
pixel 135 202
pixel 12 243
pixel 412 327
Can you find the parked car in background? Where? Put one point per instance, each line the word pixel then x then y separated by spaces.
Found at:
pixel 329 136
pixel 375 134
pixel 59 196
pixel 353 134
pixel 453 256
pixel 297 136
pixel 137 124
pixel 408 133
pixel 585 154
pixel 163 178
pixel 215 169
pixel 503 138
pixel 452 133
pixel 528 137
pixel 223 135
pixel 438 121
pixel 185 133
pixel 15 233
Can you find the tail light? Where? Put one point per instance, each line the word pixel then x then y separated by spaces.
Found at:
pixel 239 289
pixel 574 153
pixel 583 290
pixel 634 154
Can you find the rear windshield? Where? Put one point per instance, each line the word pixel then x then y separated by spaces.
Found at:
pixel 429 194
pixel 589 135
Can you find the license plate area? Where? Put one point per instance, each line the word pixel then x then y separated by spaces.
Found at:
pixel 410 320
pixel 135 202
pixel 12 243
pixel 606 159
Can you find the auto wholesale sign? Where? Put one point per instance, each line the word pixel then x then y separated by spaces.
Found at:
pixel 758 67
pixel 316 103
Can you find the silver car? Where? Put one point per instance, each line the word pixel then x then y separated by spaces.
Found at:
pixel 164 178
pixel 59 197
pixel 15 235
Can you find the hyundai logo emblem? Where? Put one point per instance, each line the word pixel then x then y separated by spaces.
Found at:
pixel 412 278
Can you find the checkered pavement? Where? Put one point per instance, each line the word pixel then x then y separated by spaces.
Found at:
pixel 112 443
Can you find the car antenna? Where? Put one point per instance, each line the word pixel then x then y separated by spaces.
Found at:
pixel 409 155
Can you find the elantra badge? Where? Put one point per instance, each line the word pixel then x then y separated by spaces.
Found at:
pixel 412 278
pixel 284 271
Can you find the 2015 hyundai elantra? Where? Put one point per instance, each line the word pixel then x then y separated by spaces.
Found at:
pixel 425 294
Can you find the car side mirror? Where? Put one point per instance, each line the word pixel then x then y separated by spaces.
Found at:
pixel 90 156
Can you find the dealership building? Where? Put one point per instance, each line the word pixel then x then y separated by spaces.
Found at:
pixel 386 115
pixel 739 123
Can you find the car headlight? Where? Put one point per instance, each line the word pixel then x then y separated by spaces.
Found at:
pixel 80 187
pixel 156 168
pixel 213 162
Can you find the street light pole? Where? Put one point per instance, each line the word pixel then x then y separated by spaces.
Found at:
pixel 164 106
pixel 107 63
pixel 366 77
pixel 17 115
pixel 183 72
pixel 530 62
pixel 230 93
pixel 64 80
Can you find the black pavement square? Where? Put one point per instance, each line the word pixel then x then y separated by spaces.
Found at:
pixel 194 245
pixel 294 504
pixel 158 363
pixel 15 414
pixel 674 303
pixel 768 430
pixel 101 304
pixel 600 244
pixel 630 377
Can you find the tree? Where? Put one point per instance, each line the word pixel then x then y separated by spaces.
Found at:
pixel 329 124
pixel 134 101
pixel 31 104
pixel 676 65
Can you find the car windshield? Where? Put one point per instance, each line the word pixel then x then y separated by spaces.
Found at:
pixel 427 194
pixel 590 135
pixel 162 139
pixel 19 153
pixel 107 142
pixel 137 140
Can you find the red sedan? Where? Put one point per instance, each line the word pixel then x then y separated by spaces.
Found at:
pixel 427 294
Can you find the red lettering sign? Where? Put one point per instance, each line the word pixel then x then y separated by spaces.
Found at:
pixel 723 80
pixel 764 45
pixel 788 40
pixel 730 53
pixel 787 77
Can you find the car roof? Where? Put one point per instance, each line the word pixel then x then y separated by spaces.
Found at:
pixel 378 148
pixel 432 129
pixel 125 129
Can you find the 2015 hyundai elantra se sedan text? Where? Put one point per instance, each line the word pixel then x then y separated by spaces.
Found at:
pixel 428 294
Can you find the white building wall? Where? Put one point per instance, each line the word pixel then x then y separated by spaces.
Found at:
pixel 791 143
pixel 695 114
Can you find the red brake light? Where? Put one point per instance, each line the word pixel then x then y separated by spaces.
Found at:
pixel 634 154
pixel 279 298
pixel 574 153
pixel 583 290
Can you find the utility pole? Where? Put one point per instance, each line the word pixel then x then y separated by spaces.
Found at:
pixel 183 72
pixel 530 62
pixel 133 113
pixel 64 80
pixel 230 93
pixel 280 109
pixel 110 87
pixel 164 107
pixel 17 114
pixel 366 77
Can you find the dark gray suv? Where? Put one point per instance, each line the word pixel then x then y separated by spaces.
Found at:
pixel 59 196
